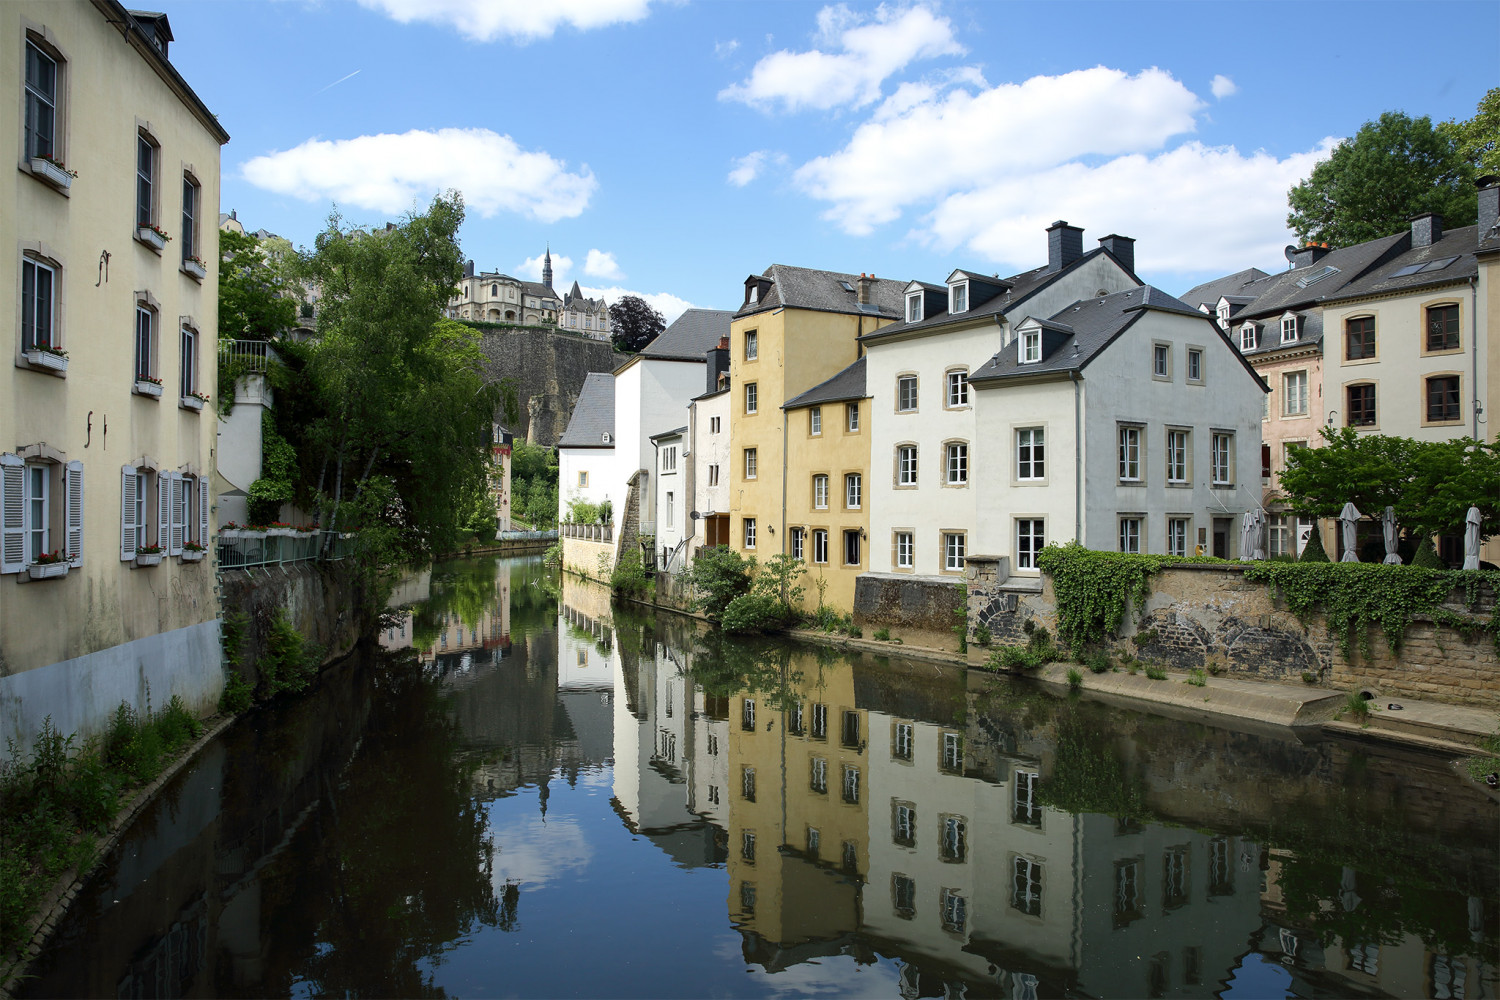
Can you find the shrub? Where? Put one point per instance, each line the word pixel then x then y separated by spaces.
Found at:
pixel 1075 679
pixel 881 635
pixel 983 636
pixel 1313 552
pixel 264 499
pixel 1427 555
pixel 1156 673
pixel 717 576
pixel 1097 661
pixel 629 577
pixel 237 694
pixel 1196 678
pixel 1487 761
pixel 1308 677
pixel 753 613
pixel 854 631
pixel 289 664
pixel 779 578
pixel 131 748
pixel 177 724
pixel 1357 705
pixel 1216 668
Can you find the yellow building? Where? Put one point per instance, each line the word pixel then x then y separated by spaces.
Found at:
pixel 796 329
pixel 106 418
pixel 828 486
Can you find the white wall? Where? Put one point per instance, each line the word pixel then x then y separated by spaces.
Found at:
pixel 604 482
pixel 670 524
pixel 651 396
pixel 1001 411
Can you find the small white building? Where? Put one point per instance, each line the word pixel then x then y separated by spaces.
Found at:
pixel 708 459
pixel 586 451
pixel 672 491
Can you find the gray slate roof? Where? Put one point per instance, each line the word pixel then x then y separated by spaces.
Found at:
pixel 807 288
pixel 593 414
pixel 538 289
pixel 1461 243
pixel 691 335
pixel 1094 323
pixel 1210 292
pixel 847 384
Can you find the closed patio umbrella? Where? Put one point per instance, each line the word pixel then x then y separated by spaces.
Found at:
pixel 1388 528
pixel 1471 539
pixel 1260 535
pixel 1348 518
pixel 1247 535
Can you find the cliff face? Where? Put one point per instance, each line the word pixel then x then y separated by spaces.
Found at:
pixel 549 367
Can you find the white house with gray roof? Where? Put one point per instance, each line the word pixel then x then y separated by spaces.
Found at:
pixel 926 446
pixel 586 452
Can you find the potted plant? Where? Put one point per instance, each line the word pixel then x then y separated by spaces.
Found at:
pixel 47 356
pixel 194 400
pixel 52 170
pixel 153 236
pixel 48 565
pixel 280 529
pixel 147 385
pixel 233 530
pixel 193 552
pixel 148 555
pixel 194 265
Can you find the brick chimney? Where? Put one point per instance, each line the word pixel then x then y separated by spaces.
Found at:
pixel 864 288
pixel 1426 229
pixel 1489 204
pixel 1123 249
pixel 1064 245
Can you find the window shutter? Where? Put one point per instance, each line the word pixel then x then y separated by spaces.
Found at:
pixel 203 490
pixel 163 510
pixel 12 510
pixel 179 514
pixel 74 489
pixel 127 512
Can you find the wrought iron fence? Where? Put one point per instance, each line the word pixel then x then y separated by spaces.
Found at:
pixel 243 549
pixel 254 355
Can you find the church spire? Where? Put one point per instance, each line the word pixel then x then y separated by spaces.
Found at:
pixel 547 267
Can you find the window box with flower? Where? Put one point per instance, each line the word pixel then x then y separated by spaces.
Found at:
pixel 47 357
pixel 147 385
pixel 49 565
pixel 193 552
pixel 148 555
pixel 153 236
pixel 193 401
pixel 195 267
pixel 53 171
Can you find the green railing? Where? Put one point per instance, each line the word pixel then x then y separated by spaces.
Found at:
pixel 241 548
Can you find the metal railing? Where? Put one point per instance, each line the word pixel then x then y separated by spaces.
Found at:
pixel 588 532
pixel 525 536
pixel 242 549
pixel 255 355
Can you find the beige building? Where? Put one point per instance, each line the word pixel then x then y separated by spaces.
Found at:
pixel 584 315
pixel 106 421
pixel 492 297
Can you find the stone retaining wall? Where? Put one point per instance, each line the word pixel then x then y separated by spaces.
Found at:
pixel 582 557
pixel 319 598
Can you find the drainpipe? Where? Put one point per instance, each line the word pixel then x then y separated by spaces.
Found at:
pixel 691 477
pixel 783 483
pixel 1077 456
pixel 1474 349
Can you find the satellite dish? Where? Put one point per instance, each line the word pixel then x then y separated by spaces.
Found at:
pixel 1290 252
pixel 694 515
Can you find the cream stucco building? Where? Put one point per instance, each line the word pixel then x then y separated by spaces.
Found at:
pixel 107 231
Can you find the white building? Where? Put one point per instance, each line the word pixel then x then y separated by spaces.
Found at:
pixel 586 451
pixel 925 447
pixel 708 458
pixel 671 514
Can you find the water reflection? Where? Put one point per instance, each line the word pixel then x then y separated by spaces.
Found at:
pixel 524 770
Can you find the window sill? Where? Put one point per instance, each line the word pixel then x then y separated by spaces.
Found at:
pixel 47 361
pixel 1221 486
pixel 151 239
pixel 51 175
pixel 49 571
pixel 194 270
pixel 144 388
pixel 190 403
pixel 153 559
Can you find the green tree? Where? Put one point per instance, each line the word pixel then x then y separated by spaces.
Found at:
pixel 257 299
pixel 1393 168
pixel 634 324
pixel 1478 139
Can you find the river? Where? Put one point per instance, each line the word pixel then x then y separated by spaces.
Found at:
pixel 524 791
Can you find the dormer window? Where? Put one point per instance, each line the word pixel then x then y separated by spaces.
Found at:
pixel 1031 347
pixel 958 297
pixel 1247 337
pixel 914 307
pixel 754 294
pixel 1224 316
pixel 1289 328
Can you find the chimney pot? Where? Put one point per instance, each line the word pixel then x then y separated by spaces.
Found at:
pixel 864 289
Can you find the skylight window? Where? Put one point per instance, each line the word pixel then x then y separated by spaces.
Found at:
pixel 1317 276
pixel 1431 265
pixel 846 286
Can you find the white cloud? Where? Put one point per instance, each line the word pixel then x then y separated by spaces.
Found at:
pixel 601 264
pixel 726 49
pixel 520 20
pixel 870 50
pixel 389 173
pixel 531 268
pixel 1223 87
pixel 748 167
pixel 670 306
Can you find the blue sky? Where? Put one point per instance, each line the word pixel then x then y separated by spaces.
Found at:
pixel 671 148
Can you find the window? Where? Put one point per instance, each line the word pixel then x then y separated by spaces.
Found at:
pixel 1030 454
pixel 134 511
pixel 1161 361
pixel 820 721
pixel 905 555
pixel 714 424
pixel 145 339
pixel 1359 338
pixel 36 499
pixel 815 421
pixel 1361 405
pixel 956 464
pixel 1031 347
pixel 814 841
pixel 955 911
pixel 901 740
pixel 851 784
pixel 1289 328
pixel 1030 538
pixel 1195 364
pixel 747 714
pixel 1221 458
pixel 752 396
pixel 954 545
pixel 1127 892
pixel 1294 394
pixel 145 180
pixel 713 475
pixel 1220 868
pixel 1442 399
pixel 38 517
pixel 1174 886
pixel 954 846
pixel 851 728
pixel 904 896
pixel 851 857
pixel 747 784
pixel 1177 457
pixel 1247 337
pixel 669 459
pixel 1177 536
pixel 906 465
pixel 749 463
pixel 798 535
pixel 958 298
pixel 1025 809
pixel 1130 534
pixel 904 824
pixel 906 394
pixel 852 483
pixel 747 889
pixel 38 305
pixel 1026 887
pixel 190 202
pixel 189 361
pixel 958 388
pixel 1442 328
pixel 851 417
pixel 851 547
pixel 747 852
pixel 794 718
pixel 953 752
pixel 752 345
pixel 914 307
pixel 820 546
pixel 669 509
pixel 749 532
pixel 1130 454
pixel 820 492
pixel 41 104
pixel 583 480
pixel 818 781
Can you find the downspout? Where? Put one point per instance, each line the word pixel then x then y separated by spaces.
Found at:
pixel 692 478
pixel 783 481
pixel 1077 456
pixel 1474 350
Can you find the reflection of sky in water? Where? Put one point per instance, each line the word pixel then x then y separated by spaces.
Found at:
pixel 618 915
pixel 1258 978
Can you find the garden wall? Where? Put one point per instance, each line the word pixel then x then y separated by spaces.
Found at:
pixel 1202 615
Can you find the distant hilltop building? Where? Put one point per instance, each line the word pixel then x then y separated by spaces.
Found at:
pixel 587 316
pixel 493 297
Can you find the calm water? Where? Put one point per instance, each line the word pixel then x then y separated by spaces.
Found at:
pixel 527 794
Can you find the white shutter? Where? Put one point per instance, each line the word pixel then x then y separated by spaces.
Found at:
pixel 179 514
pixel 74 512
pixel 127 512
pixel 163 510
pixel 203 488
pixel 12 514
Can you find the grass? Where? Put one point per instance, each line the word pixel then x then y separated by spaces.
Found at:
pixel 1356 705
pixel 1156 673
pixel 1487 761
pixel 1075 679
pixel 881 635
pixel 1196 677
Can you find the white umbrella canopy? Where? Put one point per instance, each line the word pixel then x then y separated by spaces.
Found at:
pixel 1247 536
pixel 1260 535
pixel 1471 538
pixel 1388 528
pixel 1348 518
